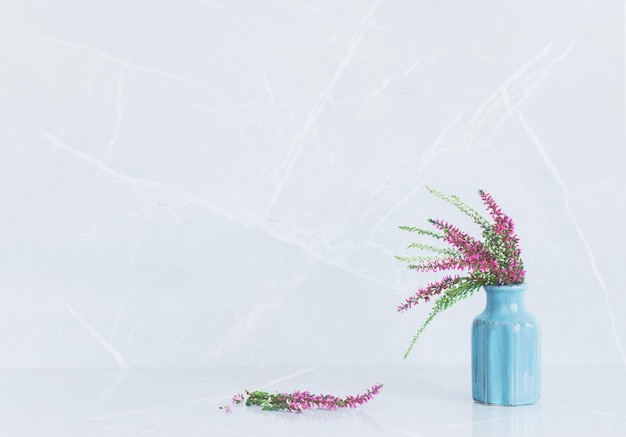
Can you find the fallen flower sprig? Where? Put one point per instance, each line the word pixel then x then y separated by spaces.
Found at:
pixel 299 401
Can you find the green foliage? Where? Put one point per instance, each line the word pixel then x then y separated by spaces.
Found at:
pixel 268 401
pixel 414 259
pixel 422 231
pixel 439 250
pixel 463 207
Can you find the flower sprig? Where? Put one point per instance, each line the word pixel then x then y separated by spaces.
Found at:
pixel 299 401
pixel 496 260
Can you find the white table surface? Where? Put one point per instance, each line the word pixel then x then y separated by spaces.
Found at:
pixel 576 401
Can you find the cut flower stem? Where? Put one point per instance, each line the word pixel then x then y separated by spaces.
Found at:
pixel 299 401
pixel 494 260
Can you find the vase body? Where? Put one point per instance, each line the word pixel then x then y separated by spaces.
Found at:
pixel 506 349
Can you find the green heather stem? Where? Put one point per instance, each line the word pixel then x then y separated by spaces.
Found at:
pixel 449 297
pixel 440 250
pixel 464 207
pixel 412 259
pixel 422 231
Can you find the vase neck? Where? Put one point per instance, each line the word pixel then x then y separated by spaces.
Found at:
pixel 510 298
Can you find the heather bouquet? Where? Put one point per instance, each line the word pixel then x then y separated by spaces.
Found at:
pixel 493 260
pixel 299 401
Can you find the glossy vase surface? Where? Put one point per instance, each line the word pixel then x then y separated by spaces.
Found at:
pixel 506 349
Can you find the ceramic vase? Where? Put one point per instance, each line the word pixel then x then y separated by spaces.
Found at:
pixel 506 349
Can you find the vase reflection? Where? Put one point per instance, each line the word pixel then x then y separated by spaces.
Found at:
pixel 490 421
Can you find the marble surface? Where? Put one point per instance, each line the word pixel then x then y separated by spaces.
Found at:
pixel 415 401
pixel 214 183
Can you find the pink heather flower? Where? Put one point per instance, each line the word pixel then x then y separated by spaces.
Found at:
pixel 238 398
pixel 502 223
pixel 424 294
pixel 226 409
pixel 477 256
pixel 454 235
pixel 437 265
pixel 494 260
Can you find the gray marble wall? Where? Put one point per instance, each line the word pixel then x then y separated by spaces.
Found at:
pixel 219 182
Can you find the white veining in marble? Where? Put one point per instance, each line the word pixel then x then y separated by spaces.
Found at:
pixel 219 183
pixel 579 231
pixel 105 344
pixel 283 170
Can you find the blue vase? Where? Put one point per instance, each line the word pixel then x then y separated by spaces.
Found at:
pixel 506 349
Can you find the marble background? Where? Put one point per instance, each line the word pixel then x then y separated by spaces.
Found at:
pixel 199 183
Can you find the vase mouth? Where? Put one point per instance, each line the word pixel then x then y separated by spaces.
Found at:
pixel 506 287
